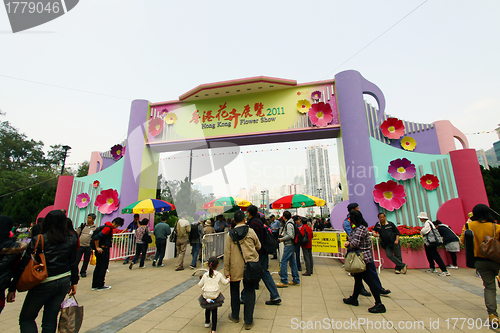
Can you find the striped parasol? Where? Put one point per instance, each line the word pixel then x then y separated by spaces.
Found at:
pixel 297 201
pixel 148 206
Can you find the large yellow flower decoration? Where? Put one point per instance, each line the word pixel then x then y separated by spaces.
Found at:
pixel 408 143
pixel 303 106
pixel 170 118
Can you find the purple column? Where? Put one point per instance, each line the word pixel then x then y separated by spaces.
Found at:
pixel 350 86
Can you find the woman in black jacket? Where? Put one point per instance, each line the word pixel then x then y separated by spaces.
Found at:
pixel 62 268
pixel 10 253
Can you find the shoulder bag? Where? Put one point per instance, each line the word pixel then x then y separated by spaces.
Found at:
pixel 253 271
pixel 490 247
pixel 35 272
pixel 354 262
pixel 433 237
pixel 146 237
pixel 470 261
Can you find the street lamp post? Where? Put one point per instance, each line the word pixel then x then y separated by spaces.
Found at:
pixel 66 148
pixel 263 203
pixel 320 208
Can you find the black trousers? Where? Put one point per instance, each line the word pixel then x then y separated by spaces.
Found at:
pixel 85 251
pixel 102 263
pixel 249 300
pixel 214 318
pixel 433 255
pixel 366 276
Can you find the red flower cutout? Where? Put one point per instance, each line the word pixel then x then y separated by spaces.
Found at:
pixel 95 183
pixel 155 126
pixel 392 128
pixel 429 182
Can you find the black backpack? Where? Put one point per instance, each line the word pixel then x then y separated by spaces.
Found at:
pixel 298 238
pixel 96 232
pixel 194 234
pixel 469 247
pixel 270 244
pixel 81 229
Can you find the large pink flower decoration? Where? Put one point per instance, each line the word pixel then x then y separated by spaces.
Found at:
pixel 429 182
pixel 392 128
pixel 116 152
pixel 155 126
pixel 402 169
pixel 107 202
pixel 389 195
pixel 82 200
pixel 320 114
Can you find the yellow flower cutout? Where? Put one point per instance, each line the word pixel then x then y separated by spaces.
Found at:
pixel 408 143
pixel 303 106
pixel 170 118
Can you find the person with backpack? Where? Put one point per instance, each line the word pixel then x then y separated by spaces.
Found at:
pixel 102 240
pixel 85 231
pixel 451 242
pixel 288 253
pixel 483 224
pixel 195 236
pixel 254 222
pixel 142 246
pixel 307 248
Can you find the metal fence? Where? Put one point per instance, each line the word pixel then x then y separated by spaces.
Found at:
pixel 213 246
pixel 124 245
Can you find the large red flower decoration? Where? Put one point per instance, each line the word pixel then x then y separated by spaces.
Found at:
pixel 107 201
pixel 389 195
pixel 429 182
pixel 320 114
pixel 155 126
pixel 392 128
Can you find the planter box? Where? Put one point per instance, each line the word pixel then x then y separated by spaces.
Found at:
pixel 418 259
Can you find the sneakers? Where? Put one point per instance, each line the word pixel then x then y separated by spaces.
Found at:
pixel 104 288
pixel 192 267
pixel 125 262
pixel 248 326
pixel 274 302
pixel 154 264
pixel 365 292
pixel 293 283
pixel 142 266
pixel 452 267
pixel 94 289
pixel 397 272
pixel 445 273
pixel 431 270
pixel 131 265
pixel 161 265
pixel 384 292
pixel 207 325
pixel 281 285
pixel 493 321
pixel 378 308
pixel 404 269
pixel 234 320
pixel 351 301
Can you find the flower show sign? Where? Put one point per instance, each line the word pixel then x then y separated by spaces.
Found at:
pixel 244 108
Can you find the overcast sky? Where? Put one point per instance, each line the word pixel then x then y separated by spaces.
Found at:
pixel 439 62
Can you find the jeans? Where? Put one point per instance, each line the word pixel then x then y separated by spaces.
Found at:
pixel 433 255
pixel 85 251
pixel 49 295
pixel 297 257
pixel 266 278
pixel 393 252
pixel 249 300
pixel 308 258
pixel 142 248
pixel 289 256
pixel 367 277
pixel 489 270
pixel 372 270
pixel 161 245
pixel 196 249
pixel 101 265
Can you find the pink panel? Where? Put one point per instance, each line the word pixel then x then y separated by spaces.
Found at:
pixel 95 164
pixel 452 214
pixel 470 185
pixel 417 259
pixel 63 192
pixel 446 133
pixel 45 211
pixel 338 214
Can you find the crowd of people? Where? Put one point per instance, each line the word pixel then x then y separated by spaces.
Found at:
pixel 245 247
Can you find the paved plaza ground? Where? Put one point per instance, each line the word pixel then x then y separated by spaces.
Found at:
pixel 161 300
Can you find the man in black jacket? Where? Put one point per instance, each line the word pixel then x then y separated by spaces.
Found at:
pixel 389 236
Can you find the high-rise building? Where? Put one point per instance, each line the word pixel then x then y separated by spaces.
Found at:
pixel 481 157
pixel 318 182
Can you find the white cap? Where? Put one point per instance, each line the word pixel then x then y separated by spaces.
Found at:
pixel 423 215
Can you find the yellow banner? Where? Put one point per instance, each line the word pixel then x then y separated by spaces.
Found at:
pixel 325 242
pixel 343 239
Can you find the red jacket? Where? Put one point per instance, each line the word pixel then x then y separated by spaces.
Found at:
pixel 309 235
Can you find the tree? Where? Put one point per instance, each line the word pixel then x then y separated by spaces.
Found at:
pixel 491 180
pixel 83 169
pixel 183 200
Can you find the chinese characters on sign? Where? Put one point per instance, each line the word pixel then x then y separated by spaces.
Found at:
pixel 224 118
pixel 325 242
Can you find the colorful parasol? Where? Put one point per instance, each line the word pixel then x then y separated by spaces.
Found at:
pixel 297 201
pixel 227 202
pixel 148 206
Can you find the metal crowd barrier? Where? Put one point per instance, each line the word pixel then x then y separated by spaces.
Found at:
pixel 124 246
pixel 212 245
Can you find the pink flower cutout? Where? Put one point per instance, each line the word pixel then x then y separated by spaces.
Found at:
pixel 316 95
pixel 429 182
pixel 402 169
pixel 392 128
pixel 82 200
pixel 389 195
pixel 107 202
pixel 95 183
pixel 155 126
pixel 320 114
pixel 116 152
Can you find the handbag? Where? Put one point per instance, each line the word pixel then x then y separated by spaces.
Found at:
pixel 433 238
pixel 490 247
pixel 354 262
pixel 71 318
pixel 92 259
pixel 173 235
pixel 35 272
pixel 146 238
pixel 252 271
